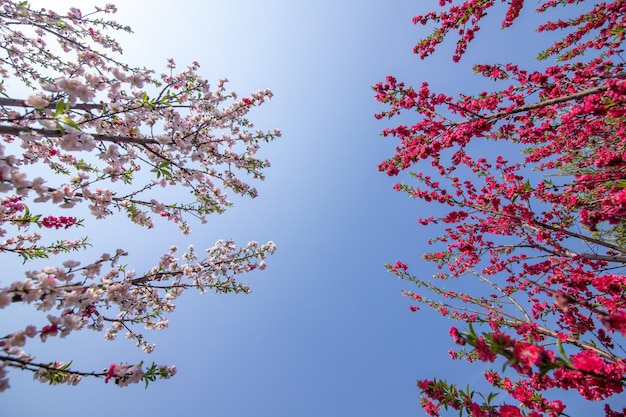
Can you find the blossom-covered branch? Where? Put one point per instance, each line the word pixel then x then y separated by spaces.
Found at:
pixel 112 137
pixel 541 224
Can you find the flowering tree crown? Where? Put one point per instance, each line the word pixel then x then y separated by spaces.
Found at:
pixel 112 137
pixel 543 232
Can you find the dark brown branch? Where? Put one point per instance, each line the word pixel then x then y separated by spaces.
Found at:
pixel 16 130
pixel 25 364
pixel 550 102
pixel 585 239
pixel 13 102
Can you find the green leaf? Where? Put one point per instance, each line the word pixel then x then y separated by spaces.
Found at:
pixel 2 93
pixel 559 346
pixel 163 169
pixel 62 107
pixel 68 122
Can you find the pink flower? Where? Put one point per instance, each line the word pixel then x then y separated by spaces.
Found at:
pixel 399 265
pixel 556 407
pixel 458 339
pixel 562 336
pixel 527 353
pixel 507 384
pixel 37 101
pixel 484 353
pixel 509 411
pixel 430 408
pixel 523 393
pixel 110 373
pixel 50 221
pixel 476 411
pixel 51 330
pixel 616 321
pixel 587 361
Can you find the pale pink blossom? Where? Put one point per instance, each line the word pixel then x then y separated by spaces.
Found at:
pixel 37 101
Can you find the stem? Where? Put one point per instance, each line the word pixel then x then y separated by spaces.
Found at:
pixel 550 102
pixel 13 102
pixel 515 303
pixel 583 238
pixel 32 366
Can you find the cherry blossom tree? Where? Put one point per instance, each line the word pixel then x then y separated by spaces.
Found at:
pixel 530 254
pixel 111 138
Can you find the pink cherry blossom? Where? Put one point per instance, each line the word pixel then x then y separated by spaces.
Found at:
pixel 145 132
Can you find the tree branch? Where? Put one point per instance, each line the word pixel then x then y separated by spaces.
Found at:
pixel 13 102
pixel 550 102
pixel 24 364
pixel 16 130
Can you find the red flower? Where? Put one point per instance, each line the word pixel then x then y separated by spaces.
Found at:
pixel 458 339
pixel 110 373
pixel 616 321
pixel 587 361
pixel 476 411
pixel 399 265
pixel 50 221
pixel 527 353
pixel 510 411
pixel 51 330
pixel 556 407
pixel 430 408
pixel 484 353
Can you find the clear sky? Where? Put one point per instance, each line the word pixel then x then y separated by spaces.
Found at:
pixel 326 331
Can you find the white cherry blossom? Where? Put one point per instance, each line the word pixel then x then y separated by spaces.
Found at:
pixel 175 126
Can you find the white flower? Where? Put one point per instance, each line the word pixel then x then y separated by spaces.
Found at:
pixel 17 339
pixel 119 74
pixel 37 101
pixel 137 81
pixel 148 347
pixel 71 264
pixel 31 331
pixel 110 334
pixel 76 89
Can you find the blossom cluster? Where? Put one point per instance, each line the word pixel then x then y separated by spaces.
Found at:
pixel 542 233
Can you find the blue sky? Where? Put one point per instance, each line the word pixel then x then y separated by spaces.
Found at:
pixel 326 331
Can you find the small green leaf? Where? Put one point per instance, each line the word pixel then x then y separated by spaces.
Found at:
pixel 68 122
pixel 61 108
